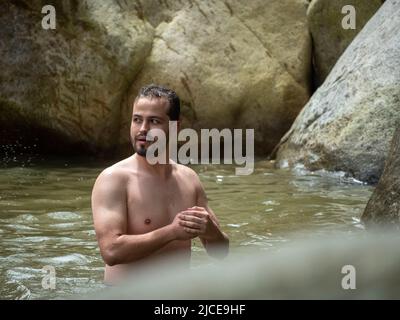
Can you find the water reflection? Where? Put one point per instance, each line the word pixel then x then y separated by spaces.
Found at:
pixel 46 218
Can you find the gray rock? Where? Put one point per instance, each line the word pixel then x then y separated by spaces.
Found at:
pixel 349 122
pixel 329 38
pixel 383 208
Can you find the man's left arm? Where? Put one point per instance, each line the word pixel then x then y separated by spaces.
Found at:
pixel 202 221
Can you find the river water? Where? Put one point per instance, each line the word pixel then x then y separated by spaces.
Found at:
pixel 45 218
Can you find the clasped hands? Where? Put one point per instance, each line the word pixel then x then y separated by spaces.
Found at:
pixel 195 221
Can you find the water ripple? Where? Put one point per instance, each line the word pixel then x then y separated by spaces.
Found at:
pixel 46 218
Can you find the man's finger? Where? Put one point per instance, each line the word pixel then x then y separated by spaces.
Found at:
pixel 192 231
pixel 189 217
pixel 200 214
pixel 189 224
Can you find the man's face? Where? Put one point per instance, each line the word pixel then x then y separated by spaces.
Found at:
pixel 148 114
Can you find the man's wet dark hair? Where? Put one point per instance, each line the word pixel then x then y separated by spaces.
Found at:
pixel 156 91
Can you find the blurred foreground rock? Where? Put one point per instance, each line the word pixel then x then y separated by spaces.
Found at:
pixel 307 269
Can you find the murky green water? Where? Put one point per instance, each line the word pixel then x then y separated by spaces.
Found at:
pixel 45 218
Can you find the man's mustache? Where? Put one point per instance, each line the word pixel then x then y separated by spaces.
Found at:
pixel 146 137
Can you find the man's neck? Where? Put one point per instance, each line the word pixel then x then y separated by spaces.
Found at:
pixel 161 170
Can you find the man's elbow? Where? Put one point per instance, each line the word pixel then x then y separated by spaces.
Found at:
pixel 110 257
pixel 110 254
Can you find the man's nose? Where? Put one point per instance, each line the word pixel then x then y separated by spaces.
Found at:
pixel 145 126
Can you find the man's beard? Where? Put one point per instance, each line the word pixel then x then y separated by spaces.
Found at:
pixel 142 149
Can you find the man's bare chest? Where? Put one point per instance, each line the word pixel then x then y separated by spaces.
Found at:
pixel 152 204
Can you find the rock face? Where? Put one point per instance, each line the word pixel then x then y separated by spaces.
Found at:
pixel 384 206
pixel 234 65
pixel 65 85
pixel 329 38
pixel 350 120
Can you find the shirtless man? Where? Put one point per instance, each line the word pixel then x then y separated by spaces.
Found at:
pixel 141 210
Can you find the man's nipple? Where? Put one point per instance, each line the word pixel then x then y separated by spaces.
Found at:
pixel 147 221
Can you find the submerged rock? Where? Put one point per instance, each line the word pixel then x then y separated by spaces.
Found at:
pixel 348 123
pixel 383 209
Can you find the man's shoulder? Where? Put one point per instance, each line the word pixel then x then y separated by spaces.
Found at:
pixel 118 172
pixel 186 172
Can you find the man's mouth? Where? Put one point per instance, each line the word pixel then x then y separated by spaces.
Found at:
pixel 145 139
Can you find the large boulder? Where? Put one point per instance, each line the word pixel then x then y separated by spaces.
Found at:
pixel 350 120
pixel 329 38
pixel 383 209
pixel 234 65
pixel 65 85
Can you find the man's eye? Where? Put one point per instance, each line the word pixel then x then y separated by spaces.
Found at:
pixel 155 121
pixel 136 119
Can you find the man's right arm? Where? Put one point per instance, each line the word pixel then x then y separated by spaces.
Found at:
pixel 109 207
